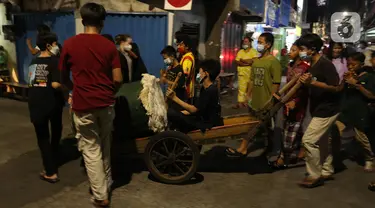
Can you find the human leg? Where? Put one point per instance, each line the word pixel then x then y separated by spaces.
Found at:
pixel 178 120
pixel 362 138
pixel 317 128
pixel 90 145
pixel 243 82
pixel 43 136
pixel 105 121
pixel 56 133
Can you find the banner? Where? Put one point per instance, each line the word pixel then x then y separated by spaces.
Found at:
pixel 272 17
pixel 178 4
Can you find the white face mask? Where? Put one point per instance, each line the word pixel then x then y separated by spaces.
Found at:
pixel 245 46
pixel 55 50
pixel 128 47
pixel 260 48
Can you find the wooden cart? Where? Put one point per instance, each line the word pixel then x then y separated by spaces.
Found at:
pixel 173 157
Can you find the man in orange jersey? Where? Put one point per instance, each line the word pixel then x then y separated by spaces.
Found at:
pixel 188 64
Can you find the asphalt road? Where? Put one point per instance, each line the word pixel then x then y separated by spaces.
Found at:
pixel 221 182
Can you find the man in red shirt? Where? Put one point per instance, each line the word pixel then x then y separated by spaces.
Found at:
pixel 95 66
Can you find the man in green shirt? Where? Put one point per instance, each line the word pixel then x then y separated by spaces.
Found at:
pixel 265 81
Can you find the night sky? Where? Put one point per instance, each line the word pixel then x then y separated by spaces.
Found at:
pixel 334 6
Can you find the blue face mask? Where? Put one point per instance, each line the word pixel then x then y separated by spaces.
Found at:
pixel 303 55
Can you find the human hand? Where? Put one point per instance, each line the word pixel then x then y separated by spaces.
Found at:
pixel 351 80
pixel 170 94
pixel 306 78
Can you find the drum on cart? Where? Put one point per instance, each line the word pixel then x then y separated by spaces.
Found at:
pixel 140 109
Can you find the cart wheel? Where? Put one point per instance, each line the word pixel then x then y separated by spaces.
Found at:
pixel 172 157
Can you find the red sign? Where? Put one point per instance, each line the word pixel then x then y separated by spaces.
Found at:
pixel 179 3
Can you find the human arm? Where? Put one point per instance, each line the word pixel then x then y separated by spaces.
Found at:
pixel 276 71
pixel 307 80
pixel 116 69
pixel 64 69
pixel 240 61
pixel 189 108
pixel 132 54
pixel 365 92
pixel 33 50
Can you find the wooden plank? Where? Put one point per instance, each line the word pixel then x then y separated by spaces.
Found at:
pixel 217 132
pixel 14 84
pixel 223 131
pixel 238 119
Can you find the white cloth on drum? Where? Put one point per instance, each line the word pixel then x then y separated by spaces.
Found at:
pixel 153 101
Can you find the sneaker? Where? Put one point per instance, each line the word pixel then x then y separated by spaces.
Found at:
pixel 369 166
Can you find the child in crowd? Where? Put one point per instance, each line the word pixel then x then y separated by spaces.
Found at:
pixel 294 111
pixel 358 92
pixel 46 101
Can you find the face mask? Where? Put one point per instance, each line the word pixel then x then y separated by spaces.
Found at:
pixel 303 55
pixel 260 48
pixel 199 79
pixel 128 47
pixel 168 61
pixel 55 50
pixel 245 46
pixel 175 41
pixel 181 50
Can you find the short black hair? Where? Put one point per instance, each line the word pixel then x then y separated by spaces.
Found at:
pixel 169 51
pixel 121 37
pixel 211 66
pixel 44 39
pixel 311 41
pixel 358 56
pixel 187 40
pixel 269 38
pixel 42 28
pixel 92 14
pixel 109 37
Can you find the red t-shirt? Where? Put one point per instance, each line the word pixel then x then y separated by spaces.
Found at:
pixel 91 59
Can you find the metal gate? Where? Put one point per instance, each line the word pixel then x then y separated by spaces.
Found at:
pixel 63 24
pixel 148 30
pixel 231 37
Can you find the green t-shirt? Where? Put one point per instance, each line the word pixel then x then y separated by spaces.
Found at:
pixel 266 71
pixel 355 110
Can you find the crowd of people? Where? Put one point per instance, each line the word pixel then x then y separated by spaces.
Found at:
pixel 338 92
pixel 87 72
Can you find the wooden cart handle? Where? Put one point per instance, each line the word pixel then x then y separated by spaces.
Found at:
pixel 174 85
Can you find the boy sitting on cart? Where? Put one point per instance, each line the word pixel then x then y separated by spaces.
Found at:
pixel 206 111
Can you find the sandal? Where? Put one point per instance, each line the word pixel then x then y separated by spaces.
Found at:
pixel 49 180
pixel 311 182
pixel 371 186
pixel 234 153
pixel 279 164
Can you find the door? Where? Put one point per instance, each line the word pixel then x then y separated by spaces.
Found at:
pixel 148 30
pixel 63 24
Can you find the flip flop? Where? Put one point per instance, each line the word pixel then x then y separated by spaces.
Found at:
pixel 49 180
pixel 234 153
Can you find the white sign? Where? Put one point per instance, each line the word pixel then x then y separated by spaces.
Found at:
pixel 178 4
pixel 345 27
